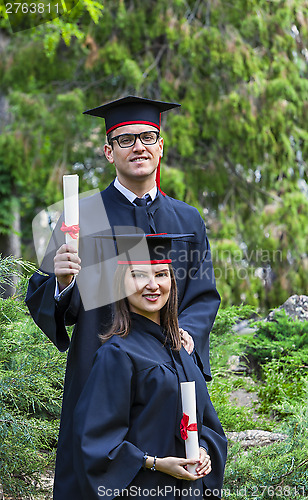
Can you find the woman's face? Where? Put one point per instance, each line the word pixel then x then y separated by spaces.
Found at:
pixel 147 288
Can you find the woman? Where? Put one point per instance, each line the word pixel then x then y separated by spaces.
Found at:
pixel 127 436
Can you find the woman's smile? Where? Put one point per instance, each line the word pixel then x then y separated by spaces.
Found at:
pixel 151 297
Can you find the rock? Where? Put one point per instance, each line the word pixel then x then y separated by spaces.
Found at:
pixel 255 438
pixel 295 306
pixel 236 365
pixel 243 327
pixel 46 483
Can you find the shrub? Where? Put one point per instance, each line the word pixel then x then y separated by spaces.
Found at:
pixel 284 339
pixel 31 380
pixel 276 471
pixel 280 349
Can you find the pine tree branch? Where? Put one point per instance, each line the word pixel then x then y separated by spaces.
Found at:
pixel 156 61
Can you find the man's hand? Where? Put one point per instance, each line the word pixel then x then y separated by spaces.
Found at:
pixel 66 265
pixel 187 341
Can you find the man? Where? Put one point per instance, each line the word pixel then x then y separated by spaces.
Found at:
pixel 133 199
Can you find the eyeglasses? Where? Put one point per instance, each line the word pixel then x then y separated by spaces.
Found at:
pixel 128 140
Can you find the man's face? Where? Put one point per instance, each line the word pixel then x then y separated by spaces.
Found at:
pixel 138 162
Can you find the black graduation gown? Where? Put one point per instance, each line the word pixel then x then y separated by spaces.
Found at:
pixel 130 405
pixel 198 297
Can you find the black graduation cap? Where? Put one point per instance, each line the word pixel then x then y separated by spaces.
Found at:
pixel 140 248
pixel 130 110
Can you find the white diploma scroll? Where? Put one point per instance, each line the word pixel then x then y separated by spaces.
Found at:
pixel 71 209
pixel 188 393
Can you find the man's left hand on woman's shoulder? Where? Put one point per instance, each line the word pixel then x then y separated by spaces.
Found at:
pixel 187 341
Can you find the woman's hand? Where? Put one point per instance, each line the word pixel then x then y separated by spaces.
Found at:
pixel 176 467
pixel 205 466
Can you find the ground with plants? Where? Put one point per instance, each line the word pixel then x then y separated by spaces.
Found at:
pixel 31 378
pixel 280 349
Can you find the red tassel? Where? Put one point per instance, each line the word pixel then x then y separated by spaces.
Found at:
pixel 158 178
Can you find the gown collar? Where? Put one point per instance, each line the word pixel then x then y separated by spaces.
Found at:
pixel 149 326
pixel 181 361
pixel 115 196
pixel 130 195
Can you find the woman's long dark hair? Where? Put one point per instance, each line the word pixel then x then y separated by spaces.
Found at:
pixel 122 320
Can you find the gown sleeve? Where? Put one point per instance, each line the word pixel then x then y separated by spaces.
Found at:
pixel 103 457
pixel 201 300
pixel 52 317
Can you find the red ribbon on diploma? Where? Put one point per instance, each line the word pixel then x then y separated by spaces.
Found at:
pixel 185 427
pixel 71 230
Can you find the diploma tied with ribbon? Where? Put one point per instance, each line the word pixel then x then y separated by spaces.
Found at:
pixel 70 225
pixel 189 430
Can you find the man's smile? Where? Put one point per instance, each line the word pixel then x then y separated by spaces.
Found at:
pixel 139 158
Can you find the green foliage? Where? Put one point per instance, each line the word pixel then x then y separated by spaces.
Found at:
pixel 279 470
pixel 280 348
pixel 25 452
pixel 228 317
pixel 31 381
pixel 233 417
pixel 64 28
pixel 283 386
pixel 224 343
pixel 173 182
pixel 14 268
pixel 31 378
pixel 276 471
pixel 284 339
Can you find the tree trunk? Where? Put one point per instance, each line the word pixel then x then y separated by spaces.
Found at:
pixel 1 492
pixel 10 244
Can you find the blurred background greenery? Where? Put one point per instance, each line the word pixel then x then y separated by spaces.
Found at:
pixel 236 149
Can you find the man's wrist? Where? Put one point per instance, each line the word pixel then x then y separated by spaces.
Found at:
pixel 59 293
pixel 62 287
